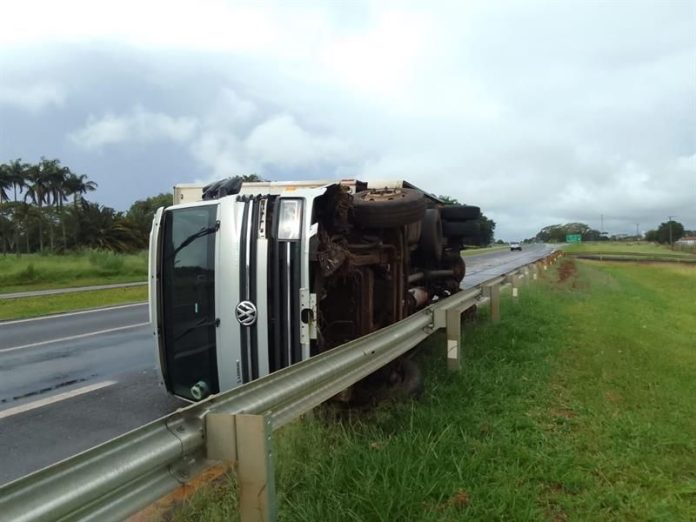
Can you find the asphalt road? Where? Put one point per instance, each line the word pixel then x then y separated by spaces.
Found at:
pixel 483 267
pixel 72 381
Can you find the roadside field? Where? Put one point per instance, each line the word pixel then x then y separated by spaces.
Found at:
pixel 578 405
pixel 39 272
pixel 25 307
pixel 625 247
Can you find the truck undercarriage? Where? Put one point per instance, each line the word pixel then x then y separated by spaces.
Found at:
pixel 373 268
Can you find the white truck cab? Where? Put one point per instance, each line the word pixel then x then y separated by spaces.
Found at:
pixel 245 283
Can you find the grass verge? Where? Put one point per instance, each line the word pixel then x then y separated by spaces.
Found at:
pixel 39 272
pixel 632 248
pixel 578 405
pixel 25 307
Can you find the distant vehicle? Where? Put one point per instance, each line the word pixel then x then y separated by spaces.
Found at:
pixel 515 246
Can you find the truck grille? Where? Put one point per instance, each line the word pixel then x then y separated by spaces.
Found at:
pixel 281 338
pixel 247 285
pixel 284 300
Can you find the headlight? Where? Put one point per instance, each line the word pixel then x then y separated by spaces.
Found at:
pixel 290 219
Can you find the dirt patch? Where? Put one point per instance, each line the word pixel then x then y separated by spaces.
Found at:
pixel 564 413
pixel 553 510
pixel 164 508
pixel 460 499
pixel 566 270
pixel 612 397
pixel 556 514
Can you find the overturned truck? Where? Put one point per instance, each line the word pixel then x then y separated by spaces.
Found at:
pixel 248 278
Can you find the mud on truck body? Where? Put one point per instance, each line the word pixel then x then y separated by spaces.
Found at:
pixel 258 276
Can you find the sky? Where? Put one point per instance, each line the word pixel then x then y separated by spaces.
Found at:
pixel 539 112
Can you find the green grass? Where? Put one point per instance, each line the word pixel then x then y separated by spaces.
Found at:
pixel 578 405
pixel 26 307
pixel 624 247
pixel 38 272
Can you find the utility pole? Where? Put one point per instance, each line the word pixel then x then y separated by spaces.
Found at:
pixel 637 233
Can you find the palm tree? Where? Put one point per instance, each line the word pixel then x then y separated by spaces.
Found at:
pixel 18 174
pixel 77 186
pixel 5 224
pixel 103 228
pixel 37 192
pixel 55 176
pixel 5 183
pixel 13 173
pixel 58 178
pixel 5 232
pixel 27 215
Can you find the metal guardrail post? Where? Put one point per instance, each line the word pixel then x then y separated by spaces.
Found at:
pixel 450 318
pixel 255 471
pixel 245 442
pixel 493 294
pixel 221 437
pixel 514 282
pixel 454 338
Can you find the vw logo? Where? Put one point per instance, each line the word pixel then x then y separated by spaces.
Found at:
pixel 246 313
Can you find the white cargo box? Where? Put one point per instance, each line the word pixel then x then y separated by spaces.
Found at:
pixel 192 192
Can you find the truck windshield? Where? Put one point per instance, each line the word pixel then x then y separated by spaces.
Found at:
pixel 188 299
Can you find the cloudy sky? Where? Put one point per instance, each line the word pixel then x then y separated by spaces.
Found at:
pixel 539 112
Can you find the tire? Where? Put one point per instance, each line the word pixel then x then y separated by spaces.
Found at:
pixel 431 239
pixel 460 212
pixel 388 208
pixel 459 267
pixel 408 379
pixel 461 228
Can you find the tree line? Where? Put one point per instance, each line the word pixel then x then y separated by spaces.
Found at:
pixel 666 233
pixel 43 209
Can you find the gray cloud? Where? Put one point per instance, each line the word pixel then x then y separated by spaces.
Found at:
pixel 138 126
pixel 32 98
pixel 540 112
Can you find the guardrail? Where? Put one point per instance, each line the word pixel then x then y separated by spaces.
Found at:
pixel 636 258
pixel 73 290
pixel 123 475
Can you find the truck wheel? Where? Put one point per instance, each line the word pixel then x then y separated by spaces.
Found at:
pixel 460 228
pixel 459 267
pixel 407 379
pixel 388 208
pixel 460 212
pixel 431 239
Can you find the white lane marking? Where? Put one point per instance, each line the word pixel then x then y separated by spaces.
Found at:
pixel 56 316
pixel 72 337
pixel 54 398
